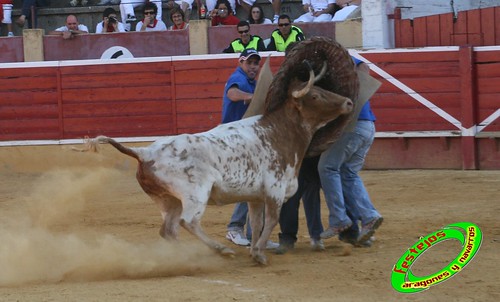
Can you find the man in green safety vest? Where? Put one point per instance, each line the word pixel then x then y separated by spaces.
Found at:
pixel 285 34
pixel 245 41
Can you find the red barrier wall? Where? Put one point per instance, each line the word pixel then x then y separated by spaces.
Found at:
pixel 140 44
pixel 11 49
pixel 436 108
pixel 479 27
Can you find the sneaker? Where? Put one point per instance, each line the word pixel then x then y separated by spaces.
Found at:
pixel 333 231
pixel 317 245
pixel 368 229
pixel 73 2
pixel 270 245
pixel 84 2
pixel 276 18
pixel 237 238
pixel 283 248
pixel 131 18
pixel 10 34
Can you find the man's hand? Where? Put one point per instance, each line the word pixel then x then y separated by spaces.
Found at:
pixel 67 35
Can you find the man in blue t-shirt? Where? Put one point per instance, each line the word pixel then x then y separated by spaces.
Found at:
pixel 238 94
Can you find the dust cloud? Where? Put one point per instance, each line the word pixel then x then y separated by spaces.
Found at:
pixel 41 240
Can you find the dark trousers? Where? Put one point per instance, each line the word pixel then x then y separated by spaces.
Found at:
pixel 309 191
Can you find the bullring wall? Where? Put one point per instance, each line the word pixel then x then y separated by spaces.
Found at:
pixel 436 108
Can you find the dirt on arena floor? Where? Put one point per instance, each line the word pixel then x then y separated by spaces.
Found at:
pixel 77 227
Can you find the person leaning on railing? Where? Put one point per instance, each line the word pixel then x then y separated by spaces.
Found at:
pixel 72 28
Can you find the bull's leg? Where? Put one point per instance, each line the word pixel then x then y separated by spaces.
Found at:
pixel 190 220
pixel 271 214
pixel 194 228
pixel 256 214
pixel 171 209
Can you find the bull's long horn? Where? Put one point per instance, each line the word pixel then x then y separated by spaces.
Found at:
pixel 321 73
pixel 300 93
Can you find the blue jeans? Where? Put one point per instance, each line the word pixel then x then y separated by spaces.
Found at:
pixel 338 169
pixel 308 190
pixel 239 219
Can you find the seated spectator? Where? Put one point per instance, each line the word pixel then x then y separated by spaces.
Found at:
pixel 256 15
pixel 246 40
pixel 177 18
pixel 127 9
pixel 26 12
pixel 6 15
pixel 185 5
pixel 72 28
pixel 222 14
pixel 150 22
pixel 316 11
pixel 109 23
pixel 343 8
pixel 211 4
pixel 285 35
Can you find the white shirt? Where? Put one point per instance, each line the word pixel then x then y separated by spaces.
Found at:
pixel 98 28
pixel 318 5
pixel 159 26
pixel 80 27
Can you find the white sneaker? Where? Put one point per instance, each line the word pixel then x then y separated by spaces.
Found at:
pixel 270 245
pixel 73 2
pixel 237 238
pixel 131 18
pixel 10 34
pixel 275 19
pixel 317 245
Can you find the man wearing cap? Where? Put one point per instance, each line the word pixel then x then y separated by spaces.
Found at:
pixel 245 41
pixel 238 93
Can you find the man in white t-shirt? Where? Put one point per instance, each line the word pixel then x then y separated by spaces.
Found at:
pixel 316 11
pixel 109 23
pixel 71 28
pixel 150 22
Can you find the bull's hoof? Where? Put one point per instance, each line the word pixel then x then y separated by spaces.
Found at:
pixel 260 259
pixel 225 251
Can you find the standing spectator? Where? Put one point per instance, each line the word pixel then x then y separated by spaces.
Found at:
pixel 246 40
pixel 343 188
pixel 72 28
pixel 177 18
pixel 109 23
pixel 6 15
pixel 316 11
pixel 150 22
pixel 223 14
pixel 256 15
pixel 127 9
pixel 285 34
pixel 26 13
pixel 212 4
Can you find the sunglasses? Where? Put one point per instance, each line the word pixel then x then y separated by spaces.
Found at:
pixel 149 13
pixel 243 31
pixel 283 24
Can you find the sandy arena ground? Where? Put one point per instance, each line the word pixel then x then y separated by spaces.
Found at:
pixel 77 227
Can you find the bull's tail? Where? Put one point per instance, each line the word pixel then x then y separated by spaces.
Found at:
pixel 93 145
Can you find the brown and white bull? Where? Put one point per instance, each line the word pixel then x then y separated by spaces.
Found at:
pixel 255 160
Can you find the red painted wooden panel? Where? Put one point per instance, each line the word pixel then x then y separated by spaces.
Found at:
pixel 489 157
pixel 488 69
pixel 488 85
pixel 128 108
pixel 199 105
pixel 475 35
pixel 28 126
pixel 198 120
pixel 118 93
pixel 406 34
pixel 446 29
pixel 203 76
pixel 412 57
pixel 497 25
pixel 121 126
pixel 424 68
pixel 433 31
pixel 487 20
pixel 27 97
pixel 12 50
pixel 420 32
pixel 29 112
pixel 199 91
pixel 459 36
pixel 489 57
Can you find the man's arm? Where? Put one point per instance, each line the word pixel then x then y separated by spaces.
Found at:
pixel 236 95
